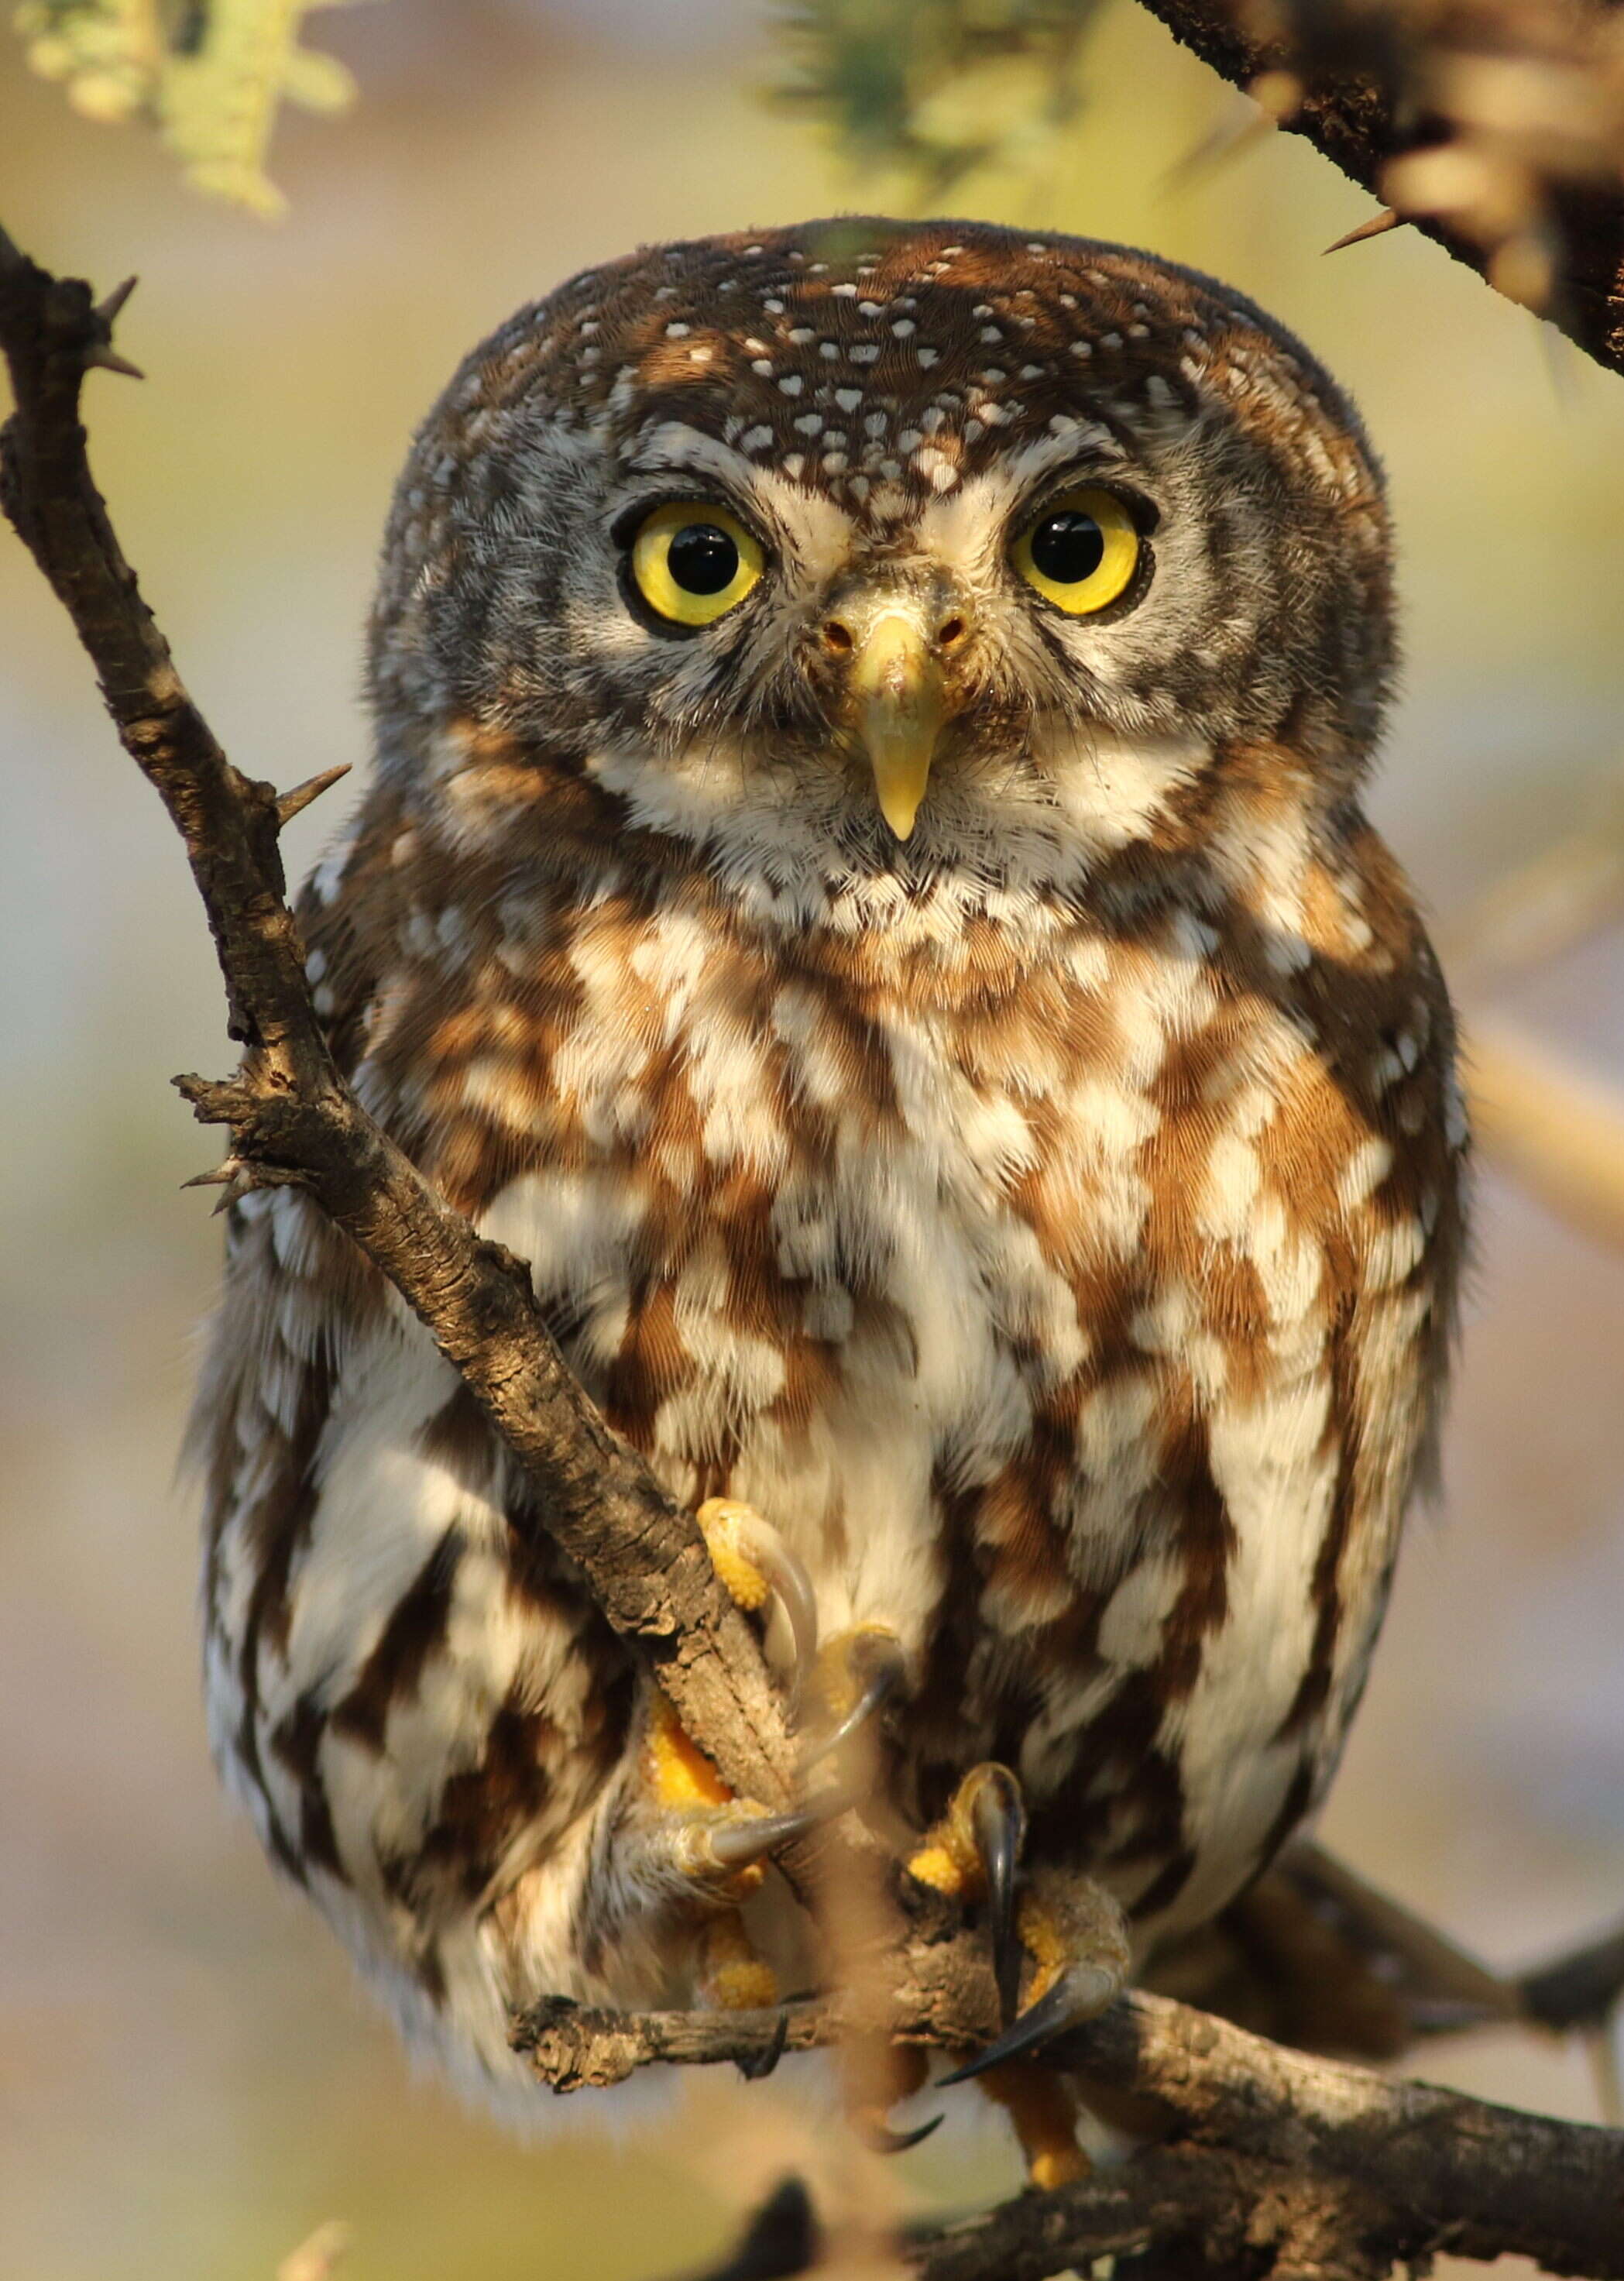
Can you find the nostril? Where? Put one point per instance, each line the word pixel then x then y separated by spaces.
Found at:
pixel 836 637
pixel 950 633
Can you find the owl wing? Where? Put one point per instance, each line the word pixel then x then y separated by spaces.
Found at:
pixel 411 1690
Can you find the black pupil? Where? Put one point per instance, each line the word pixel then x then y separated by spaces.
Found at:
pixel 703 560
pixel 1068 547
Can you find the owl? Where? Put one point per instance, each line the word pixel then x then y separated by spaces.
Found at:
pixel 865 887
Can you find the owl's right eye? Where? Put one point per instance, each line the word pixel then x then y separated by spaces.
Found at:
pixel 692 561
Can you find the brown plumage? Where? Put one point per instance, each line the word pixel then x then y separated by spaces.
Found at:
pixel 1048 1219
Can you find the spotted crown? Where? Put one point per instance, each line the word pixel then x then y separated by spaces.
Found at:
pixel 881 365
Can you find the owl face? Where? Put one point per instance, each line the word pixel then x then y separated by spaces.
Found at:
pixel 887 544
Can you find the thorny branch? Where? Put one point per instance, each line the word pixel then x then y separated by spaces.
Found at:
pixel 1274 2162
pixel 293 1117
pixel 1497 126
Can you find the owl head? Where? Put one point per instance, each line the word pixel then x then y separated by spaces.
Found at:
pixel 884 545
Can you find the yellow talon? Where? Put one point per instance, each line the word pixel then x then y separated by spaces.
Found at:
pixel 1044 1942
pixel 951 1860
pixel 935 1865
pixel 678 1770
pixel 756 1566
pixel 722 1522
pixel 732 1977
pixel 1044 2111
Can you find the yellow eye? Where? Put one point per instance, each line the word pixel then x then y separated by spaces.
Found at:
pixel 1080 553
pixel 692 561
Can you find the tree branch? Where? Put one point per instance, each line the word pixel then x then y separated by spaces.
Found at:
pixel 1275 2148
pixel 1525 98
pixel 293 1117
pixel 1286 2163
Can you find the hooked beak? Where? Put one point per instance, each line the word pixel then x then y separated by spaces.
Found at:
pixel 897 698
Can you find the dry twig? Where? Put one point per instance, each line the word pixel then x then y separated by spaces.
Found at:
pixel 1292 2164
pixel 1282 2163
pixel 1495 126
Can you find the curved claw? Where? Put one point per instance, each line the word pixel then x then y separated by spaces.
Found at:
pixel 739 1541
pixel 1077 1995
pixel 793 1588
pixel 879 1669
pixel 757 2066
pixel 998 1819
pixel 737 1844
pixel 880 2138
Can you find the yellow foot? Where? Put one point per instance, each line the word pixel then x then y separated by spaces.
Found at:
pixel 1044 2110
pixel 755 1565
pixel 1067 1930
pixel 1077 1938
pixel 973 1853
pixel 700 1837
pixel 732 1977
pixel 857 1674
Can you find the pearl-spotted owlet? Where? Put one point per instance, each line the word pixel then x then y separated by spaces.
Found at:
pixel 865 886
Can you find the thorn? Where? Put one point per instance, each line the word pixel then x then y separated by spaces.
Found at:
pixel 108 310
pixel 1389 217
pixel 1278 94
pixel 218 1176
pixel 108 359
pixel 1231 137
pixel 292 803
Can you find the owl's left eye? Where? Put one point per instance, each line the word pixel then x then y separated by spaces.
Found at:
pixel 692 561
pixel 1080 553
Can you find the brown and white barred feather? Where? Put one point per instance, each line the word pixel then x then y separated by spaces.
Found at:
pixel 1052 1226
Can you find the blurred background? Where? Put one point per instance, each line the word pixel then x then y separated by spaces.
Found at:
pixel 189 2085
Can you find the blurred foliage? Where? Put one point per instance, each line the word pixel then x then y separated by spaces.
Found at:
pixel 1488 116
pixel 941 87
pixel 210 74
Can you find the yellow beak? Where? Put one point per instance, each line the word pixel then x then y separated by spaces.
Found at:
pixel 897 695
